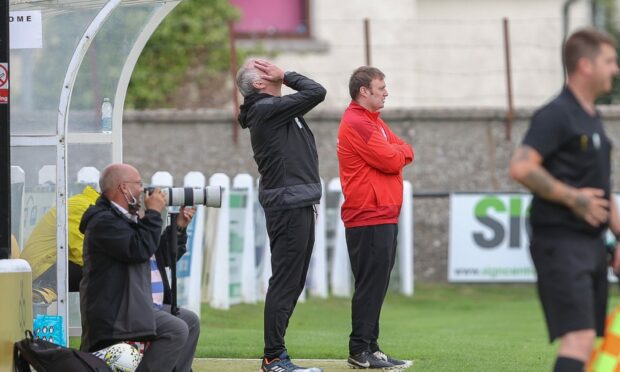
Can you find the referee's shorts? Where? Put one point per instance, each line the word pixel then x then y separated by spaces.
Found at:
pixel 572 280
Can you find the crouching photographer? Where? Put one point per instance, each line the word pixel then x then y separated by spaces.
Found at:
pixel 124 292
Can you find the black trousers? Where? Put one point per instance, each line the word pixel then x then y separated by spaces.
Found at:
pixel 175 342
pixel 372 250
pixel 291 236
pixel 48 278
pixel 572 280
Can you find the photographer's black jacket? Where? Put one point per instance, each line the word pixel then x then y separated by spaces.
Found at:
pixel 283 144
pixel 116 302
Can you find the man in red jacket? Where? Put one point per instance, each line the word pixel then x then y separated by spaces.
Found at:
pixel 371 158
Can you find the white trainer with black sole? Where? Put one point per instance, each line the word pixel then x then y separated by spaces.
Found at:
pixel 367 360
pixel 400 364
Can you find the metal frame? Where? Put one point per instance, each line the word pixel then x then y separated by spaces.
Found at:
pixel 62 256
pixel 130 64
pixel 116 137
pixel 121 91
pixel 34 141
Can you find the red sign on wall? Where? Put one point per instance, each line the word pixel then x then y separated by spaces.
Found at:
pixel 4 83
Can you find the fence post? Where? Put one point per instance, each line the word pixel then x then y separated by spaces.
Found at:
pixel 233 74
pixel 341 268
pixel 367 40
pixel 245 182
pixel 318 263
pixel 219 268
pixel 510 112
pixel 405 242
pixel 190 266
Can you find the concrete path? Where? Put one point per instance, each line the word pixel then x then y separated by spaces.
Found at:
pixel 245 365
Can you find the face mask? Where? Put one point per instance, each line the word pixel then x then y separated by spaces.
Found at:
pixel 134 205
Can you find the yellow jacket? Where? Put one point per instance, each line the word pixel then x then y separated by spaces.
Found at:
pixel 14 247
pixel 40 248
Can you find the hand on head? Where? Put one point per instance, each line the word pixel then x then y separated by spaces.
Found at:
pixel 269 71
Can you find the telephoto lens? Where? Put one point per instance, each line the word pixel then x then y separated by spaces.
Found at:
pixel 210 196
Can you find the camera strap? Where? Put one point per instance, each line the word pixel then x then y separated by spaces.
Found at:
pixel 174 309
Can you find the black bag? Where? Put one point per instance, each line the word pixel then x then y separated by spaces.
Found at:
pixel 45 356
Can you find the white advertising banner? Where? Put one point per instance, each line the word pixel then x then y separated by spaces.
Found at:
pixel 489 238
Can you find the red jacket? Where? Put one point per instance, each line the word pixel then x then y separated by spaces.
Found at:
pixel 371 159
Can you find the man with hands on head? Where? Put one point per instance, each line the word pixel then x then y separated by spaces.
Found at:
pixel 123 292
pixel 564 160
pixel 286 156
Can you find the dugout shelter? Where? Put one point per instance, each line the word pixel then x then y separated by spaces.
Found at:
pixel 70 60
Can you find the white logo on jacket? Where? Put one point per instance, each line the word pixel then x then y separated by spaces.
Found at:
pixel 596 141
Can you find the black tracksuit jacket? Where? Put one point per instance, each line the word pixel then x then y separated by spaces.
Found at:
pixel 283 144
pixel 115 292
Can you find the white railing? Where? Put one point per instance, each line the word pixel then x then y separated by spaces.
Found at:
pixel 228 258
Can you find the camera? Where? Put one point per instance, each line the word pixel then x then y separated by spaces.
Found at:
pixel 210 196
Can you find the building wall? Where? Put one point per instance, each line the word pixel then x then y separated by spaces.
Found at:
pixel 456 150
pixel 438 53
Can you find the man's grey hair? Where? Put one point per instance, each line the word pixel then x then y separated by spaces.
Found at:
pixel 246 76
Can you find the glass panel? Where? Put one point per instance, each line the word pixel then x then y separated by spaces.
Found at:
pixel 35 215
pixel 100 71
pixel 38 74
pixel 96 156
pixel 33 212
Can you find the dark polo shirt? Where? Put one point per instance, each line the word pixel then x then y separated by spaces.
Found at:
pixel 576 151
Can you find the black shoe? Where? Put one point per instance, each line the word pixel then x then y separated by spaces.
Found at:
pixel 283 364
pixel 367 360
pixel 401 364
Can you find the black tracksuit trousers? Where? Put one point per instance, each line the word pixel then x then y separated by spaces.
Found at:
pixel 291 236
pixel 372 250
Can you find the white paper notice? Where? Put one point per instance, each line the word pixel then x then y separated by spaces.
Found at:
pixel 26 29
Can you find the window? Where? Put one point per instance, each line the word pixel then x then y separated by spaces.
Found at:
pixel 272 19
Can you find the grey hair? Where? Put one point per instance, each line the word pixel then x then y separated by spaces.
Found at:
pixel 246 76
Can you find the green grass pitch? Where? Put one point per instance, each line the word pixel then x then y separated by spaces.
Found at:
pixel 443 327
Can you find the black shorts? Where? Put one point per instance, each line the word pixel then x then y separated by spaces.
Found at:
pixel 572 281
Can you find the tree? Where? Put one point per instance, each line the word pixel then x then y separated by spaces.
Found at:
pixel 610 10
pixel 190 47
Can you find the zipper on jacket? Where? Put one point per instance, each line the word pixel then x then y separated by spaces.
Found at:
pixel 307 138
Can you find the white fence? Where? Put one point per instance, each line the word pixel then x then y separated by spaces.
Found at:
pixel 238 255
pixel 228 258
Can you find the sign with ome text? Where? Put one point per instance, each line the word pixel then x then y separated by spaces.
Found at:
pixel 25 29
